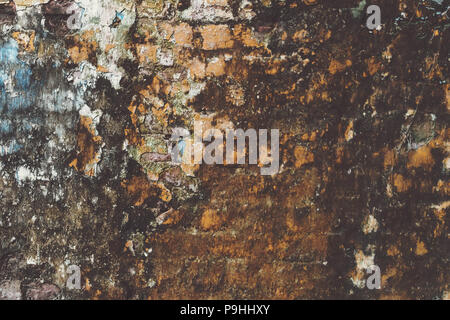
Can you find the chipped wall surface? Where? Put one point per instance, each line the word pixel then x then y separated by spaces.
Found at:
pixel 86 113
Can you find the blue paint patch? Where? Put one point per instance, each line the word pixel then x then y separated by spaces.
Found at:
pixel 5 127
pixel 23 78
pixel 21 90
pixel 2 92
pixel 9 148
pixel 20 75
pixel 9 51
pixel 27 125
pixel 18 92
pixel 182 147
pixel 19 102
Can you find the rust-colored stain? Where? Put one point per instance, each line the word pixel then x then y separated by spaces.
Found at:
pixel 87 151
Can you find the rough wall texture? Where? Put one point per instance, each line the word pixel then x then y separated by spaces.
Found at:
pixel 86 113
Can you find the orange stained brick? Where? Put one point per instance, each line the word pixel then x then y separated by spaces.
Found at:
pixel 216 37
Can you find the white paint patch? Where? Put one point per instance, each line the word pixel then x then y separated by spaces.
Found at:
pixel 446 163
pixel 98 16
pixel 370 224
pixel 441 206
pixel 165 57
pixel 205 11
pixel 32 261
pixel 363 262
pixel 195 90
pixel 94 115
pixel 25 174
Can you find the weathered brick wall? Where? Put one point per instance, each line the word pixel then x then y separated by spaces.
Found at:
pixel 87 113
